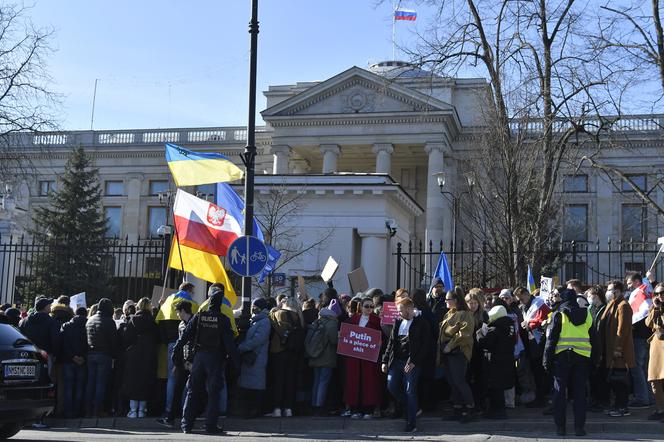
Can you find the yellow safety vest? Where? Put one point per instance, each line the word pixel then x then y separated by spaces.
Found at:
pixel 575 337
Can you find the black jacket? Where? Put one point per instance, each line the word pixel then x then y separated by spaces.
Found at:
pixel 73 339
pixel 42 330
pixel 229 349
pixel 102 331
pixel 139 341
pixel 498 351
pixel 419 337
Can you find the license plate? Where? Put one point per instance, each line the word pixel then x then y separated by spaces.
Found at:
pixel 20 371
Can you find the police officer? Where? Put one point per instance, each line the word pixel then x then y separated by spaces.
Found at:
pixel 567 356
pixel 212 338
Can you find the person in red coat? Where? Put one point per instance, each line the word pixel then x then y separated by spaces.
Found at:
pixel 363 388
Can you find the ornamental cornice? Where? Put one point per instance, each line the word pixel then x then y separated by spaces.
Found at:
pixel 345 121
pixel 358 81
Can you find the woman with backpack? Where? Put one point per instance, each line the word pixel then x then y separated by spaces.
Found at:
pixel 286 344
pixel 321 349
pixel 362 392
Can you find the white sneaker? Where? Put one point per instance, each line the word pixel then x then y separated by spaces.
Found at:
pixel 132 414
pixel 276 412
pixel 288 412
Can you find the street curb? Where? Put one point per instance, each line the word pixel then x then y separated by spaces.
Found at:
pixel 337 425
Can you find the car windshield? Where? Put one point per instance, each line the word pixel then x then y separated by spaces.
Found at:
pixel 10 336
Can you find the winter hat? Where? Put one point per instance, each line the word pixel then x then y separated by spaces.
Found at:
pixel 568 295
pixel 42 303
pixel 106 306
pixel 260 303
pixel 373 292
pixel 507 293
pixel 496 313
pixel 13 313
pixel 335 307
pixel 436 281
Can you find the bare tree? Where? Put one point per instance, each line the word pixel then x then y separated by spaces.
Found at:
pixel 26 102
pixel 276 212
pixel 545 81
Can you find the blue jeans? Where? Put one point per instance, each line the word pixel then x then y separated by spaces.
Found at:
pixel 170 383
pixel 99 369
pixel 73 380
pixel 206 373
pixel 322 376
pixel 642 392
pixel 403 386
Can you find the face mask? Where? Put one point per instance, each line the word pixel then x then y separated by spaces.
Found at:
pixel 609 296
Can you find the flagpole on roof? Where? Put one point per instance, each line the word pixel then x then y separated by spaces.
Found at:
pixel 394 30
pixel 177 239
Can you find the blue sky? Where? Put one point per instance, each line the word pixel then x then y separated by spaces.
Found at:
pixel 183 63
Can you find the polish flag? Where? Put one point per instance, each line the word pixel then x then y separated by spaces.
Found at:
pixel 640 302
pixel 203 225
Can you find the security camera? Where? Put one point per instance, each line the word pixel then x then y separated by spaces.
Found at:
pixel 391 226
pixel 163 230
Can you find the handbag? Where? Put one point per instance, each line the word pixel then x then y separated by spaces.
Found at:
pixel 618 375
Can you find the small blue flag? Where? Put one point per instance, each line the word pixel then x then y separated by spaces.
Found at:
pixel 443 272
pixel 273 256
pixel 530 284
pixel 231 201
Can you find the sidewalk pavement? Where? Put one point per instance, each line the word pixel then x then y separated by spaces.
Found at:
pixel 521 421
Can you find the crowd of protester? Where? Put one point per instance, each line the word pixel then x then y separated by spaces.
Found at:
pixel 473 355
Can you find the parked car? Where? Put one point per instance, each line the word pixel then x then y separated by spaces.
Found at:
pixel 26 391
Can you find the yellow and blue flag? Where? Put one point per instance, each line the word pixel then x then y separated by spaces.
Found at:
pixel 191 168
pixel 530 284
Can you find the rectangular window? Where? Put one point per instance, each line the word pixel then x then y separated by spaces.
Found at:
pixel 46 187
pixel 639 180
pixel 158 186
pixel 113 188
pixel 633 222
pixel 575 183
pixel 156 218
pixel 575 222
pixel 206 191
pixel 113 221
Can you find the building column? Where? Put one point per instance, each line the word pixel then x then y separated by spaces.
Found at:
pixel 281 155
pixel 436 204
pixel 330 156
pixel 374 258
pixel 383 153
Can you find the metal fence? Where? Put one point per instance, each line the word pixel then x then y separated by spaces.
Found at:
pixel 131 269
pixel 474 265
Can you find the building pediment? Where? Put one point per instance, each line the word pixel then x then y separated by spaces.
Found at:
pixel 356 91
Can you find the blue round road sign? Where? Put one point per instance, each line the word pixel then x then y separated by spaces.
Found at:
pixel 247 256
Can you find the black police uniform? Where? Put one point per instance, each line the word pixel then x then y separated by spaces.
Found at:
pixel 212 338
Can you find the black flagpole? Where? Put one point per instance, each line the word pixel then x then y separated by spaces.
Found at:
pixel 249 156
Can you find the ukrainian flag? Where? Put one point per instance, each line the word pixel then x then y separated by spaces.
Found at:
pixel 191 168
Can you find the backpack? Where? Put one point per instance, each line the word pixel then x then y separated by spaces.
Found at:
pixel 315 341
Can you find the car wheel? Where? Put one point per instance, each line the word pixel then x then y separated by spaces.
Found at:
pixel 10 429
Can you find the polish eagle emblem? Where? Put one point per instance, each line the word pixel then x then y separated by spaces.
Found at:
pixel 216 215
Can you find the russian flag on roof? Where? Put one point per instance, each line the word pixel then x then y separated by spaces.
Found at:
pixel 405 14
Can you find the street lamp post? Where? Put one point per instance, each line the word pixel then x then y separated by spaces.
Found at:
pixel 441 178
pixel 249 155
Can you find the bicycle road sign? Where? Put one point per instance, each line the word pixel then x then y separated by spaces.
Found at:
pixel 247 256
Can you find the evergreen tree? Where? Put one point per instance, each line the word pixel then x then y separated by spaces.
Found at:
pixel 73 229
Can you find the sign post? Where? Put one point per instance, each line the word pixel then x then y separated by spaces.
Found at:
pixel 247 256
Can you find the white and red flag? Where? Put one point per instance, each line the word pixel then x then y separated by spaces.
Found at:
pixel 640 301
pixel 203 225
